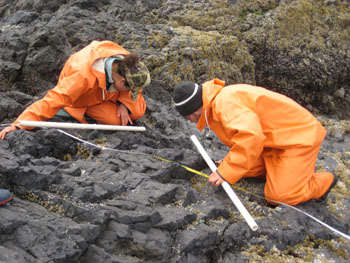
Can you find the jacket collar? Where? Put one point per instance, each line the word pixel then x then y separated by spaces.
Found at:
pixel 210 90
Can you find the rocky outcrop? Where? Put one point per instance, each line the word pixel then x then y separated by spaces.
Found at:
pixel 74 202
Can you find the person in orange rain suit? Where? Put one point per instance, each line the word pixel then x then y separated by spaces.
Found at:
pixel 97 81
pixel 269 135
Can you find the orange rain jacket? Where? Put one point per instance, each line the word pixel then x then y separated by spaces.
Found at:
pixel 250 119
pixel 82 84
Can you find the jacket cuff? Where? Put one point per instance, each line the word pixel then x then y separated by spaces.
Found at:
pixel 121 103
pixel 227 173
pixel 15 123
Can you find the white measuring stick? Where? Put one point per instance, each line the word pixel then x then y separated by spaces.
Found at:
pixel 68 125
pixel 244 212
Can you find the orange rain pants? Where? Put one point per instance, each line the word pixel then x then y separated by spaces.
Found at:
pixel 288 179
pixel 105 112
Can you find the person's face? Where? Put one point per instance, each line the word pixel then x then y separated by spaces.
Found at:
pixel 194 117
pixel 119 81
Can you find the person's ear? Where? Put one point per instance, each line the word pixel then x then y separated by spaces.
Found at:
pixel 120 78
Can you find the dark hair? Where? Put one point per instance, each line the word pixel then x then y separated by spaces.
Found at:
pixel 129 62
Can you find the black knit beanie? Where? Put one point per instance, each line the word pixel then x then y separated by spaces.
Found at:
pixel 187 97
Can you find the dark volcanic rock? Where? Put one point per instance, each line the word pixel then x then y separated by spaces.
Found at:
pixel 75 202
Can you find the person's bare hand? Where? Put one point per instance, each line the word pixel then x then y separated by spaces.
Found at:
pixel 123 114
pixel 7 130
pixel 215 179
pixel 218 161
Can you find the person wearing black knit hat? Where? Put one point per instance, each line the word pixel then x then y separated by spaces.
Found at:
pixel 269 135
pixel 187 97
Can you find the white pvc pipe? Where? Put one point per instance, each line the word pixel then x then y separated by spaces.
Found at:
pixel 67 125
pixel 241 208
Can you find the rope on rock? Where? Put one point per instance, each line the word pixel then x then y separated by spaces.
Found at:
pixel 207 176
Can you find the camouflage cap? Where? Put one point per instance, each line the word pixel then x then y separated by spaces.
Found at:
pixel 137 78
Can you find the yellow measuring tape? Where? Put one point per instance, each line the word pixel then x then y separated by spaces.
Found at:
pixel 207 176
pixel 201 174
pixel 156 157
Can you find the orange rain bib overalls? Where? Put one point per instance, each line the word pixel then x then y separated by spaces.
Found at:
pixel 269 135
pixel 81 90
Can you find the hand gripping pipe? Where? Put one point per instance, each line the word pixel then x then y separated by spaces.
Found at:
pixel 68 125
pixel 244 212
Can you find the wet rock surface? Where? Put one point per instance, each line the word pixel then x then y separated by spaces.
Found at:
pixel 74 202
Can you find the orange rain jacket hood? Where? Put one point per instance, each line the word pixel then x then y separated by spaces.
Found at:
pixel 249 120
pixel 82 83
